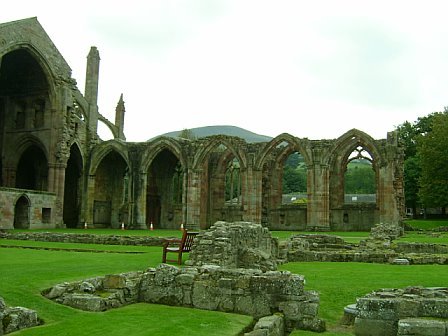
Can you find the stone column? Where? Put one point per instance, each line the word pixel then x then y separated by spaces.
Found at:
pixel 139 220
pixel 56 184
pixel 252 198
pixel 193 199
pixel 318 211
pixel 88 214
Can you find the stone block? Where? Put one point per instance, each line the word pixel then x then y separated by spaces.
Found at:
pixel 85 302
pixel 274 325
pixel 19 318
pixel 375 327
pixel 422 327
pixel 115 281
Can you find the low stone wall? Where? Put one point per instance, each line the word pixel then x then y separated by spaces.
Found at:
pixel 84 238
pixel 377 249
pixel 39 212
pixel 16 318
pixel 243 291
pixel 235 245
pixel 413 311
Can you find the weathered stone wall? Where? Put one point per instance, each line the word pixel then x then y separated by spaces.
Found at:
pixel 410 311
pixel 38 200
pixel 84 238
pixel 376 249
pixel 235 245
pixel 16 318
pixel 244 291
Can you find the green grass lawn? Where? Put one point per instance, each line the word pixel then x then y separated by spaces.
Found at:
pixel 24 273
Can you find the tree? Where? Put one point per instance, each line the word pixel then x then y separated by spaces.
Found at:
pixel 410 134
pixel 359 179
pixel 432 152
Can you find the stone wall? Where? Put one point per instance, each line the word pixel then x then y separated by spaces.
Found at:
pixel 244 291
pixel 16 318
pixel 320 247
pixel 235 245
pixel 84 238
pixel 38 212
pixel 410 311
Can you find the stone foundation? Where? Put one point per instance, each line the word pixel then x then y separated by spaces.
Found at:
pixel 16 318
pixel 413 311
pixel 235 245
pixel 243 291
pixel 84 238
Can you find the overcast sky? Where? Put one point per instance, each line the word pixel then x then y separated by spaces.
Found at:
pixel 313 69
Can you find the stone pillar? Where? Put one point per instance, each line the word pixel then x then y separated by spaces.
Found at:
pixel 88 214
pixel 193 199
pixel 252 197
pixel 139 220
pixel 318 211
pixel 91 87
pixel 56 184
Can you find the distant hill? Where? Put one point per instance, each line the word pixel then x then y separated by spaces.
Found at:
pixel 201 132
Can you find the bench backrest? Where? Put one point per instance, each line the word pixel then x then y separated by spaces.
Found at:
pixel 187 240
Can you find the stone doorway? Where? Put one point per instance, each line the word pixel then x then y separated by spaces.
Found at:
pixel 22 213
pixel 72 202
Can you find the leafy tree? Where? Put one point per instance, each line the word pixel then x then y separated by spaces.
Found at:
pixel 294 180
pixel 432 152
pixel 410 134
pixel 359 179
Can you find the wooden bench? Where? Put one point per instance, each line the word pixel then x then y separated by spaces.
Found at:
pixel 179 246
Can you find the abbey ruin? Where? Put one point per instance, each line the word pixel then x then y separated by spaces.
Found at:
pixel 55 171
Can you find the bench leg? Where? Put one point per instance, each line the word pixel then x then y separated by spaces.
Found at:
pixel 179 258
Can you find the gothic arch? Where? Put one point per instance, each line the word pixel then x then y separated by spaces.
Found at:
pixel 103 149
pixel 294 144
pixel 347 142
pixel 41 60
pixel 73 183
pixel 235 145
pixel 159 145
pixel 22 212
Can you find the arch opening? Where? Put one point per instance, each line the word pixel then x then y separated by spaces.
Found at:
pixel 72 187
pixel 164 191
pixel 32 170
pixel 22 213
pixel 111 203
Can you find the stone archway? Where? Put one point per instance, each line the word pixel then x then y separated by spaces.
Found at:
pixel 32 170
pixel 22 213
pixel 164 191
pixel 72 198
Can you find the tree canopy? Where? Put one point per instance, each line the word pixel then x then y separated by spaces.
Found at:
pixel 432 153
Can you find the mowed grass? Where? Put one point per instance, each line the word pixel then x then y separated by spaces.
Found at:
pixel 24 273
pixel 339 284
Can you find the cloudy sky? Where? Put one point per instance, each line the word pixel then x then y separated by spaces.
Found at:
pixel 313 69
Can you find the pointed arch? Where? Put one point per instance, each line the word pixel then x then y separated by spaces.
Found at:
pixel 73 187
pixel 164 164
pixel 347 142
pixel 292 144
pixel 209 144
pixel 102 150
pixel 158 145
pixel 22 212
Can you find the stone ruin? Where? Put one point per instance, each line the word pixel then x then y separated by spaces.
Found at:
pixel 16 318
pixel 243 282
pixel 412 311
pixel 379 247
pixel 236 245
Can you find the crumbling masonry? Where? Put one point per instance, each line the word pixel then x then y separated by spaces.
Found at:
pixel 55 171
